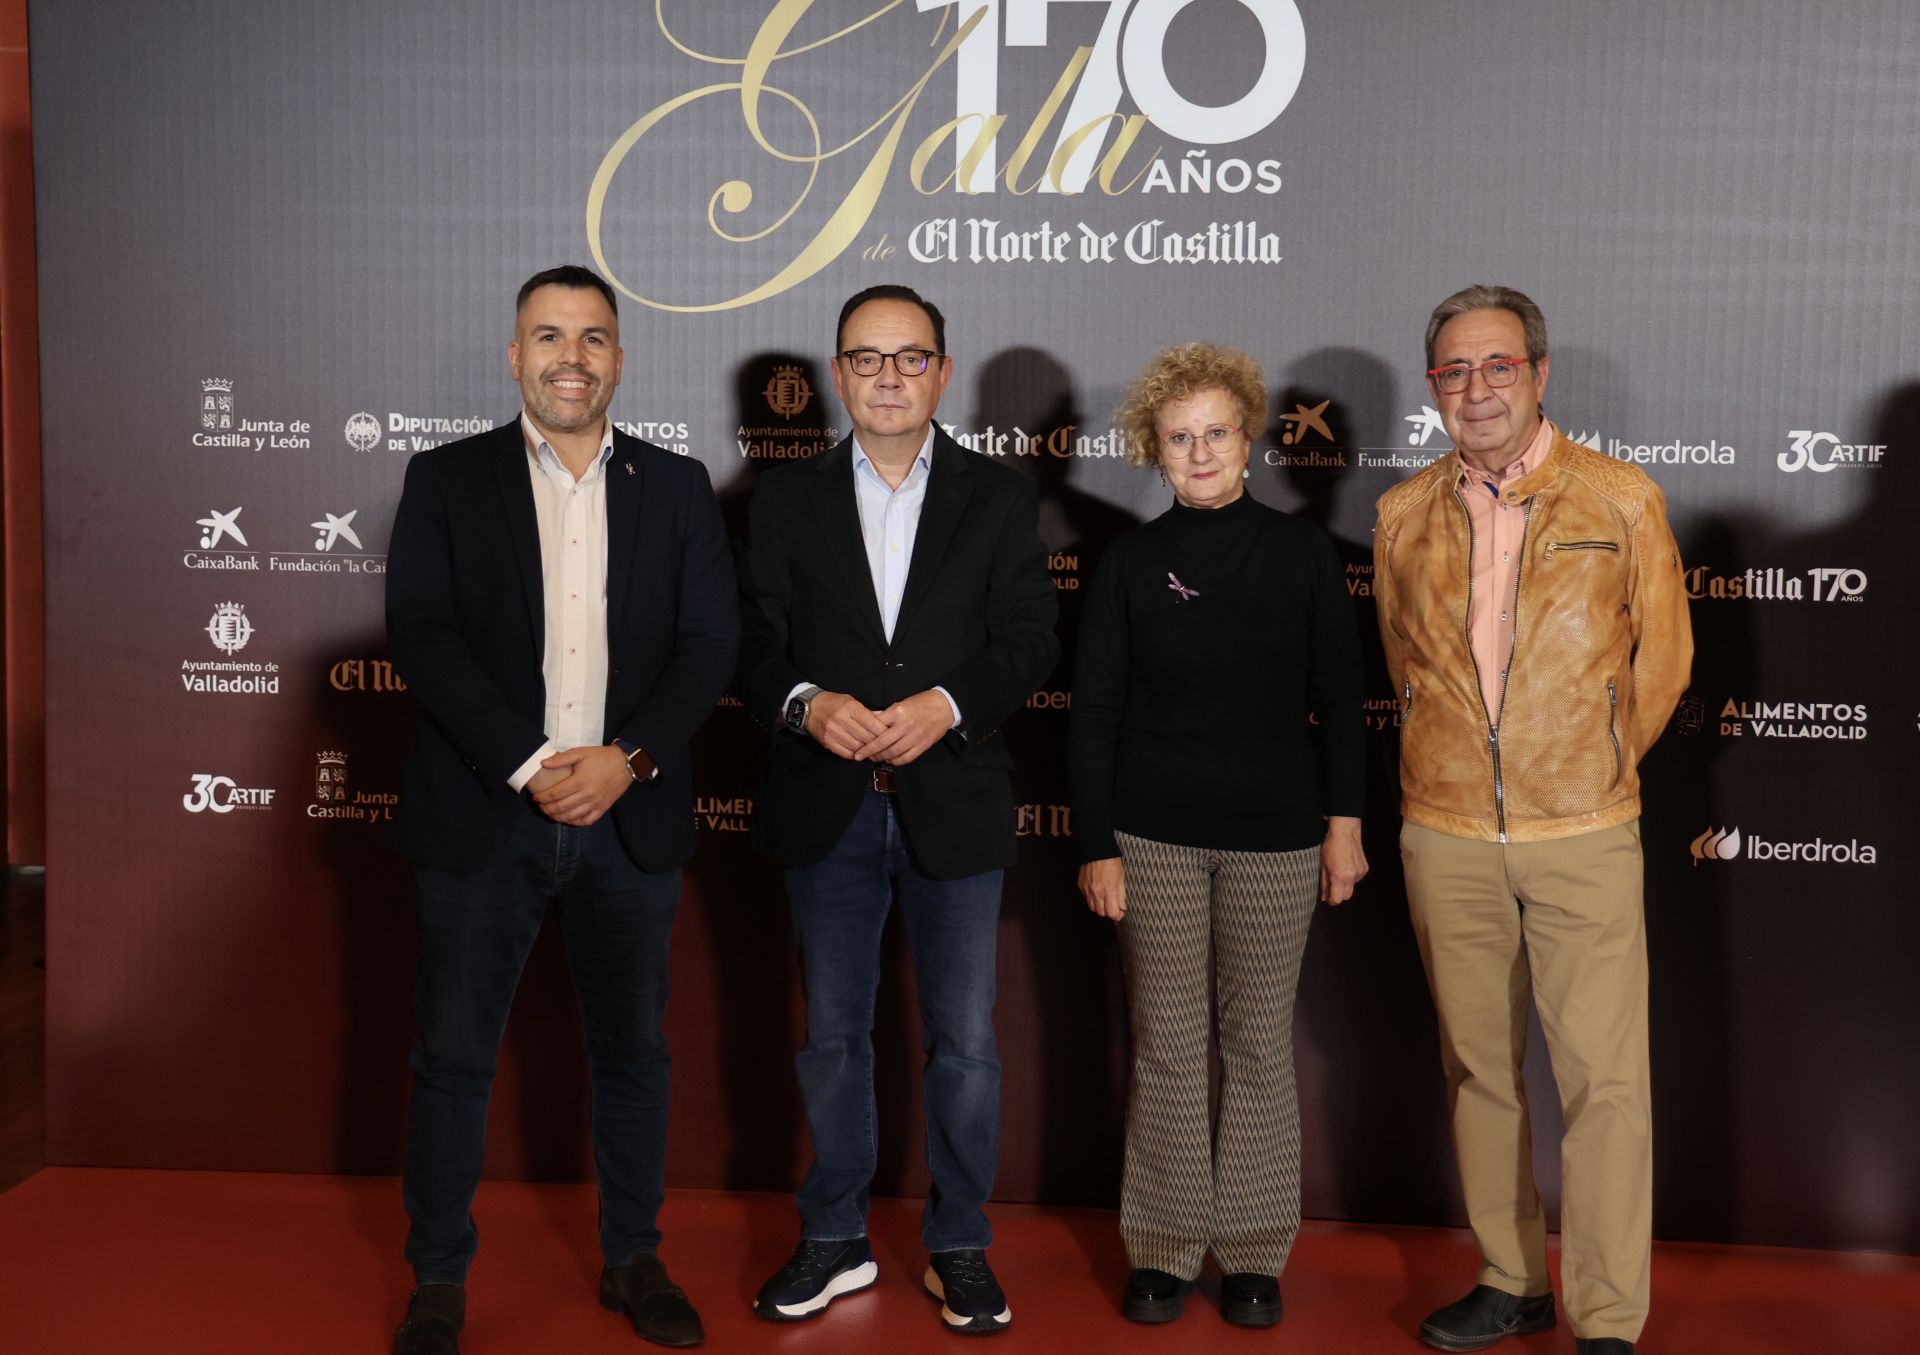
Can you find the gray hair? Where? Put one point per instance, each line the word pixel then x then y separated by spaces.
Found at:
pixel 1484 297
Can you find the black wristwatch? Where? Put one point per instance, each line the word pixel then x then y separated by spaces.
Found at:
pixel 631 750
pixel 797 707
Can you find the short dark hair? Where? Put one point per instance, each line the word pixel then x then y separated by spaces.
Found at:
pixel 1485 297
pixel 892 291
pixel 566 275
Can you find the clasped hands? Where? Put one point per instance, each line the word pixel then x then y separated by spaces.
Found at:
pixel 577 785
pixel 896 735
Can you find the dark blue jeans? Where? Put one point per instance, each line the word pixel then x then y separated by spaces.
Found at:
pixel 475 932
pixel 840 907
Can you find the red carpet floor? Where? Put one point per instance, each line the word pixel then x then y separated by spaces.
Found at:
pixel 217 1263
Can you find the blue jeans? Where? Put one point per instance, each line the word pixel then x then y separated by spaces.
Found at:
pixel 840 906
pixel 475 932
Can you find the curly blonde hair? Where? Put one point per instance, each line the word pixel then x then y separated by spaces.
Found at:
pixel 1180 373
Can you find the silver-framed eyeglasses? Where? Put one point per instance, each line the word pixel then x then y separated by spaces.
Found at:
pixel 1180 443
pixel 906 361
pixel 1457 376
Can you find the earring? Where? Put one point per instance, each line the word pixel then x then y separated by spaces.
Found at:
pixel 1246 472
pixel 1163 477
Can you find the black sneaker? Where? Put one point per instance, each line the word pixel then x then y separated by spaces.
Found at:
pixel 815 1275
pixel 971 1301
pixel 1484 1316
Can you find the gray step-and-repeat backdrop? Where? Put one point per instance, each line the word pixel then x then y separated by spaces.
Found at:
pixel 278 250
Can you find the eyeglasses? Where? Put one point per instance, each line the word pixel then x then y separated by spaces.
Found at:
pixel 1180 443
pixel 1496 372
pixel 906 361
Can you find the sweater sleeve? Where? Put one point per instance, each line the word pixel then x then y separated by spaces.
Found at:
pixel 1336 686
pixel 1099 698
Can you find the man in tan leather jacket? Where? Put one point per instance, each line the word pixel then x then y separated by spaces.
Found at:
pixel 1534 615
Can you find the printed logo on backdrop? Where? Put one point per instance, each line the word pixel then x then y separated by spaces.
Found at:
pixel 332 532
pixel 1043 820
pixel 1830 583
pixel 1421 448
pixel 1082 136
pixel 230 631
pixel 1729 844
pixel 222 795
pixel 671 434
pixel 1822 452
pixel 222 426
pixel 1712 452
pixel 332 798
pixel 1829 720
pixel 364 675
pixel 1064 566
pixel 363 432
pixel 720 814
pixel 786 394
pixel 1303 430
pixel 1061 443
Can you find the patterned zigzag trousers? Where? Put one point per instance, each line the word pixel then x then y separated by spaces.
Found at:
pixel 1189 1187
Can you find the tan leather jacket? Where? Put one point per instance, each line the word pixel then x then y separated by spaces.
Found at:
pixel 1601 649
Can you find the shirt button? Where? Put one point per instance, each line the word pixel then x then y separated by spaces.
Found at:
pixel 1505 555
pixel 1503 616
pixel 572 650
pixel 567 706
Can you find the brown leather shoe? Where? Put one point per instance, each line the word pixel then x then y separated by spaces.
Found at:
pixel 660 1309
pixel 435 1315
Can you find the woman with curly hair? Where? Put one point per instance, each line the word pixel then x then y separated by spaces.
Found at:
pixel 1207 826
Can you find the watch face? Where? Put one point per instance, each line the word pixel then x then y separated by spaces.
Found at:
pixel 797 712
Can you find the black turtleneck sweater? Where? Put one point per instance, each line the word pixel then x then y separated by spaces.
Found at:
pixel 1206 637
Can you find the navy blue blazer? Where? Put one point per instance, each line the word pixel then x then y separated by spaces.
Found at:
pixel 976 617
pixel 466 630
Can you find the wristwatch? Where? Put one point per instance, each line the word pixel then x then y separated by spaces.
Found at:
pixel 797 707
pixel 637 758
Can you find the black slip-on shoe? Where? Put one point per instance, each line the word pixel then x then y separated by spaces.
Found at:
pixel 435 1315
pixel 1484 1316
pixel 1249 1300
pixel 659 1309
pixel 1601 1345
pixel 1154 1296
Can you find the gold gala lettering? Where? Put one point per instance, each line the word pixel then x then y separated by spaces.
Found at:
pixel 843 226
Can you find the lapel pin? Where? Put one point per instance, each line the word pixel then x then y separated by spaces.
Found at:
pixel 629 466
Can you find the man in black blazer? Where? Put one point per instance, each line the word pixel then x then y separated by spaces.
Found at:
pixel 896 609
pixel 561 604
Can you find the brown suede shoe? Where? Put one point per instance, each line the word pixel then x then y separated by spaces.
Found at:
pixel 435 1315
pixel 659 1308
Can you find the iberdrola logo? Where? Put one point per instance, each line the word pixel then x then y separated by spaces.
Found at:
pixel 1712 845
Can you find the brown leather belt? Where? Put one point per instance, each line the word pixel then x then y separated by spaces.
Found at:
pixel 883 778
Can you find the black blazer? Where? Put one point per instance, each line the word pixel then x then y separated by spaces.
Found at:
pixel 466 629
pixel 976 618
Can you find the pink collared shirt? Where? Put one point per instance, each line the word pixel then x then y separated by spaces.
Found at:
pixel 1498 529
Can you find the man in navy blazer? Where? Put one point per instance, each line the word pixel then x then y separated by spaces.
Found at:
pixel 560 602
pixel 897 609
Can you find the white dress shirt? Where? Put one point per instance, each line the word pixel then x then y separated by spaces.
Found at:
pixel 889 523
pixel 572 518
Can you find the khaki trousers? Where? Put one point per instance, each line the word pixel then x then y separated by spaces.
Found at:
pixel 1561 920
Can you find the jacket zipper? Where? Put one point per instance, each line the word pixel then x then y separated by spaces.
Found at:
pixel 1513 644
pixel 1613 730
pixel 1553 546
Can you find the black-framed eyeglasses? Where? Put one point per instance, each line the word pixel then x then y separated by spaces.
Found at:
pixel 906 361
pixel 1457 376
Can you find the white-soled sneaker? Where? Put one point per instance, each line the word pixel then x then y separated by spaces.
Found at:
pixel 971 1301
pixel 815 1275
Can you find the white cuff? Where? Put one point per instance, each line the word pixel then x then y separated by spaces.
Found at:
pixel 525 773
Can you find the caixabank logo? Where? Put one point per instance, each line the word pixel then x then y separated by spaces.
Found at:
pixel 1722 844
